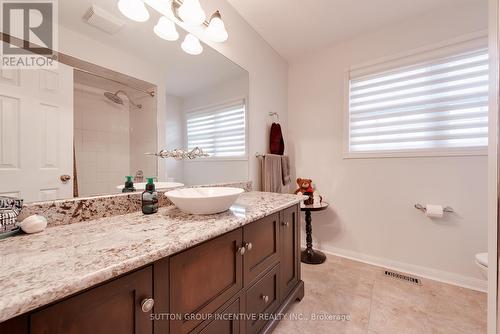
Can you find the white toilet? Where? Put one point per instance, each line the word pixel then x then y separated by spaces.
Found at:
pixel 482 263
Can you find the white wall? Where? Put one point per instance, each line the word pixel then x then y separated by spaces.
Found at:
pixel 201 171
pixel 175 134
pixel 371 216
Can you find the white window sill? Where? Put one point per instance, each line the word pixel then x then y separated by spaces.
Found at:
pixel 218 159
pixel 416 154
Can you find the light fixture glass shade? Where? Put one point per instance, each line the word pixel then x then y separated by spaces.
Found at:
pixel 191 12
pixel 166 29
pixel 192 45
pixel 216 30
pixel 134 10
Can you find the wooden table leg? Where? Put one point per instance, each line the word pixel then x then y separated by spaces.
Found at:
pixel 309 255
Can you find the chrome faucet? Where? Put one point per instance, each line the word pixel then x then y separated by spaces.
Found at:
pixel 139 176
pixel 179 154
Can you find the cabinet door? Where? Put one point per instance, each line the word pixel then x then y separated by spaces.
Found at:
pixel 226 322
pixel 203 278
pixel 262 247
pixel 114 307
pixel 290 249
pixel 262 299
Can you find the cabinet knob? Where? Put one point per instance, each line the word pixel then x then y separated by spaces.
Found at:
pixel 147 305
pixel 241 251
pixel 285 224
pixel 249 246
pixel 265 298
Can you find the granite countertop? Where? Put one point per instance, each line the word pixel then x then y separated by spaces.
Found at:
pixel 38 269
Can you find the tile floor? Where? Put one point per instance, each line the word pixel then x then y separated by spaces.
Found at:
pixel 382 305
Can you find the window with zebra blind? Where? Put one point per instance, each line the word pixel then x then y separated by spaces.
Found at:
pixel 433 102
pixel 220 130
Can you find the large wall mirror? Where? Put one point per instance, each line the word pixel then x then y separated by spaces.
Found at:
pixel 79 129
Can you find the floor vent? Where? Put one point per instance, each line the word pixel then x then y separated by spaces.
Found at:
pixel 403 277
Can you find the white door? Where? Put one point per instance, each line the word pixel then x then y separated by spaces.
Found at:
pixel 36 133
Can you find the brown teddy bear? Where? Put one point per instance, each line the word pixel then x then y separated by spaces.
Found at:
pixel 306 188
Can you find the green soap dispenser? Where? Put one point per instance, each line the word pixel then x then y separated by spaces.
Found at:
pixel 129 186
pixel 150 198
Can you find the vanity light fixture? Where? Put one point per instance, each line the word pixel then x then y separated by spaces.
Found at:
pixel 216 30
pixel 190 11
pixel 192 45
pixel 173 12
pixel 134 10
pixel 166 29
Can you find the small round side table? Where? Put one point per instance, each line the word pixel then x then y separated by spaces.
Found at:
pixel 310 255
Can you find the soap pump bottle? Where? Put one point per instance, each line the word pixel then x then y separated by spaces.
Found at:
pixel 129 185
pixel 149 198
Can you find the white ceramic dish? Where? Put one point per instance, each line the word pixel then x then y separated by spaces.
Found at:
pixel 140 186
pixel 204 200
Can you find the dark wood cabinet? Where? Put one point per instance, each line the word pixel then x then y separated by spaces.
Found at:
pixel 203 278
pixel 252 271
pixel 228 321
pixel 114 307
pixel 261 240
pixel 290 250
pixel 262 300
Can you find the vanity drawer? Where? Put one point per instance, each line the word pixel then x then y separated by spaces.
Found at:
pixel 262 300
pixel 262 240
pixel 228 321
pixel 203 278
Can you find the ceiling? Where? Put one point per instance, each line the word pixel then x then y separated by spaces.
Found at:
pixel 297 27
pixel 184 74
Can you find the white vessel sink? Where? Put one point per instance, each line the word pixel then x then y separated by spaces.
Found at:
pixel 140 186
pixel 204 200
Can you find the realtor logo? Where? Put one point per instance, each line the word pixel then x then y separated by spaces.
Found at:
pixel 30 36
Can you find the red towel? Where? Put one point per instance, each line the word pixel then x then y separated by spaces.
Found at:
pixel 276 142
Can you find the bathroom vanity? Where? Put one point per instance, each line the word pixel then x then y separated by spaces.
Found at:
pixel 164 273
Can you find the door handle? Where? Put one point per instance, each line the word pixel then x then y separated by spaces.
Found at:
pixel 65 178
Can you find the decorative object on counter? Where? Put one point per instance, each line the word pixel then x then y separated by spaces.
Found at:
pixel 149 199
pixel 9 210
pixel 306 188
pixel 179 154
pixel 276 142
pixel 188 12
pixel 33 224
pixel 310 255
pixel 129 185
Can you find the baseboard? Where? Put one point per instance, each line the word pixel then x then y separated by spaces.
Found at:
pixel 436 275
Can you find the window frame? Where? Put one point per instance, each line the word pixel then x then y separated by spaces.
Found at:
pixel 413 57
pixel 207 108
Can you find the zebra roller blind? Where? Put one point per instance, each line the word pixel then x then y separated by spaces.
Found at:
pixel 220 131
pixel 437 105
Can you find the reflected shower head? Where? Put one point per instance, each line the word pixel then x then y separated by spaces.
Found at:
pixel 117 99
